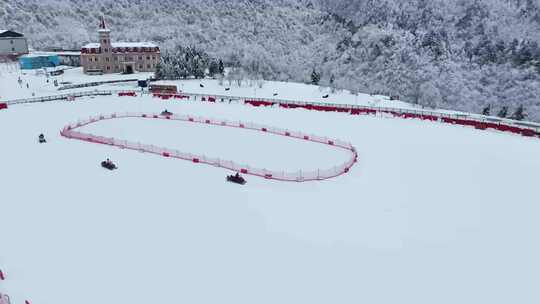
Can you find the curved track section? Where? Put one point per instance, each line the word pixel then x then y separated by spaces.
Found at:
pixel 70 131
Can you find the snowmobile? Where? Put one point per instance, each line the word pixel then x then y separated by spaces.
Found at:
pixel 41 139
pixel 107 164
pixel 237 179
pixel 166 113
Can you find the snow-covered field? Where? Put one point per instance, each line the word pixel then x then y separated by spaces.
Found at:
pixel 10 89
pixel 432 213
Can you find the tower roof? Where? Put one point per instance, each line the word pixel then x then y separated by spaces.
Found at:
pixel 103 25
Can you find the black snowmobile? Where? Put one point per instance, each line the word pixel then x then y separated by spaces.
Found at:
pixel 237 179
pixel 41 139
pixel 107 164
pixel 166 113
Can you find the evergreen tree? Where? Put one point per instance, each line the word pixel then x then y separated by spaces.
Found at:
pixel 197 69
pixel 519 114
pixel 213 69
pixel 503 112
pixel 315 77
pixel 221 67
pixel 160 73
pixel 332 80
pixel 487 110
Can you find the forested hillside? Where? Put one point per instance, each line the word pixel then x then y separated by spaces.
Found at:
pixel 462 54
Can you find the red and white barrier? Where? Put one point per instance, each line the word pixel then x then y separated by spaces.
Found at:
pixel 127 93
pixel 477 121
pixel 296 176
pixel 3 105
pixel 480 123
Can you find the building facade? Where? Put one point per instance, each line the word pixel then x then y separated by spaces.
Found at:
pixel 118 57
pixel 12 43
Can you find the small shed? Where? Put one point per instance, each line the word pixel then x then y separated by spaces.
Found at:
pixel 38 61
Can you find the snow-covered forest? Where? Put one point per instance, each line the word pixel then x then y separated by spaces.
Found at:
pixel 461 54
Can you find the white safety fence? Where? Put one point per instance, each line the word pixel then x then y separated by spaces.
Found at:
pixel 297 175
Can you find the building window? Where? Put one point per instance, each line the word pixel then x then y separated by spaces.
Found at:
pixel 140 66
pixel 147 57
pixel 107 59
pixel 115 58
pixel 148 66
pixel 108 67
pixel 140 57
pixel 153 57
pixel 11 41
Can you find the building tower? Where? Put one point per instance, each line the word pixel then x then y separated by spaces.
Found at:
pixel 104 35
pixel 106 46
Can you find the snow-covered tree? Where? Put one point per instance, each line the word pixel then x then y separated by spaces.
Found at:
pixel 503 112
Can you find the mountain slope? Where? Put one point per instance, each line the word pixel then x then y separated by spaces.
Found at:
pixel 461 55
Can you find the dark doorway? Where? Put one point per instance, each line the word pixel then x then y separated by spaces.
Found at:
pixel 129 69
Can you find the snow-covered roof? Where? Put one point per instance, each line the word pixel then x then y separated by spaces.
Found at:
pixel 10 34
pixel 39 54
pixel 121 45
pixel 68 53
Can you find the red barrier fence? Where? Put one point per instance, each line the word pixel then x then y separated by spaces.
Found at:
pixel 296 176
pixel 3 106
pixel 169 96
pixel 132 94
pixel 477 121
pixel 480 122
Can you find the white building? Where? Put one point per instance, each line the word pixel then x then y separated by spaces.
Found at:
pixel 12 43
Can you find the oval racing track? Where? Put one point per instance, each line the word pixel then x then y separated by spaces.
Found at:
pixel 300 175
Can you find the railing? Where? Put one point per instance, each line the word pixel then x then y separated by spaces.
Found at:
pixel 94 84
pixel 296 176
pixel 529 129
pixel 66 96
pixel 481 122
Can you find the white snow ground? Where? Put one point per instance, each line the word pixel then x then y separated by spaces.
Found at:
pixel 10 89
pixel 432 213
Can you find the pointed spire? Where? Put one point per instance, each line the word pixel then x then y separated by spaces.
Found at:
pixel 102 25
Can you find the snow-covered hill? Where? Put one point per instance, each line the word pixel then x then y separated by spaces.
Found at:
pixel 431 212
